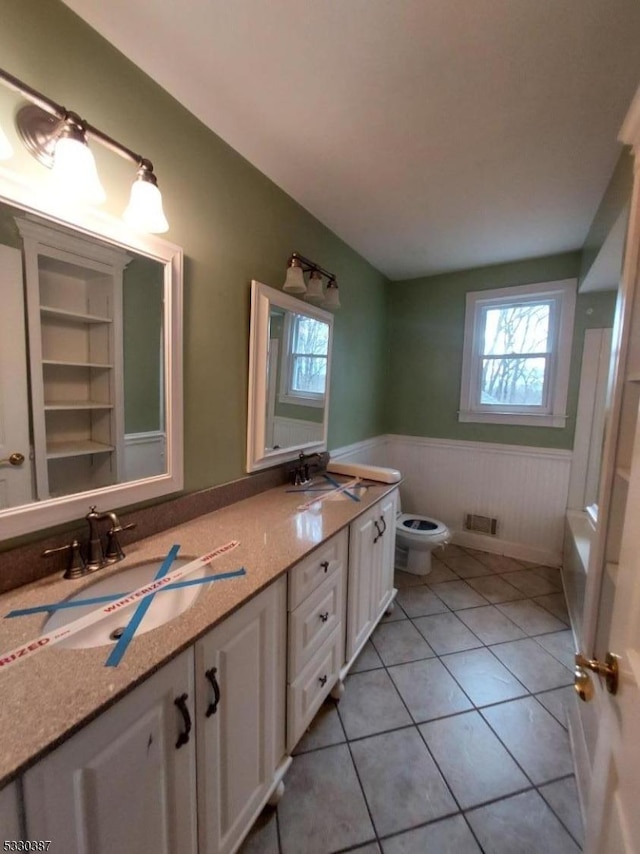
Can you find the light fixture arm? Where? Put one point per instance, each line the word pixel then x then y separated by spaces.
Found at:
pixel 310 266
pixel 63 115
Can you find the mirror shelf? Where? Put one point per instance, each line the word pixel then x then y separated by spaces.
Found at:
pixel 289 372
pixel 73 354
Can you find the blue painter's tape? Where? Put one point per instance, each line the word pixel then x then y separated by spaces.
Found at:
pixel 335 483
pixel 111 597
pixel 115 656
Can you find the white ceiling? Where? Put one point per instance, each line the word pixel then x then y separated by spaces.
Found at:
pixel 431 135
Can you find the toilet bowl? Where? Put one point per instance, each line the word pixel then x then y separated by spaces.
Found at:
pixel 416 537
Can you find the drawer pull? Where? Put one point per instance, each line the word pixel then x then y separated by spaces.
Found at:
pixel 384 522
pixel 211 676
pixel 181 703
pixel 325 565
pixel 323 679
pixel 324 617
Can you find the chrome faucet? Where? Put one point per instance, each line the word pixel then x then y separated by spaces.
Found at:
pixel 96 558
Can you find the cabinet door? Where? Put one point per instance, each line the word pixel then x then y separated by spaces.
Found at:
pixel 122 783
pixel 240 689
pixel 385 558
pixel 363 553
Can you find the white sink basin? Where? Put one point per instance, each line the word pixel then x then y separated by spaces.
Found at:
pixel 164 606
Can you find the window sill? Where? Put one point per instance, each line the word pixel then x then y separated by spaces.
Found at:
pixel 301 400
pixel 515 418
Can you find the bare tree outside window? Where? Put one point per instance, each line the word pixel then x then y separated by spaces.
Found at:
pixel 310 347
pixel 515 354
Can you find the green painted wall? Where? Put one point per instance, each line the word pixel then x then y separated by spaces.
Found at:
pixel 142 302
pixel 425 341
pixel 616 196
pixel 233 223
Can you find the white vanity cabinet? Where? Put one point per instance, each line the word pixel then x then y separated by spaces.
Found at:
pixel 10 824
pixel 240 686
pixel 74 308
pixel 370 583
pixel 317 588
pixel 127 781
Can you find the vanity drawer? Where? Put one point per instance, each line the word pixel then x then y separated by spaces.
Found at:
pixel 308 691
pixel 313 570
pixel 313 621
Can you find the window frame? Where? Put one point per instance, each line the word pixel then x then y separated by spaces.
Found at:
pixel 287 393
pixel 561 295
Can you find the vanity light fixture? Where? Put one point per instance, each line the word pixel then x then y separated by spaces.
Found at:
pixel 58 138
pixel 332 297
pixel 314 288
pixel 294 281
pixel 295 284
pixel 73 171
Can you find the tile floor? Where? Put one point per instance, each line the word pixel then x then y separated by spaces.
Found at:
pixel 451 735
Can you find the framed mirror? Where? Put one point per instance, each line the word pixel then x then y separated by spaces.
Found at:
pixel 289 372
pixel 90 363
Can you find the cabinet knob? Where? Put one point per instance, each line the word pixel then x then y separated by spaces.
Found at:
pixel 325 565
pixel 181 703
pixel 378 529
pixel 211 676
pixel 323 679
pixel 324 617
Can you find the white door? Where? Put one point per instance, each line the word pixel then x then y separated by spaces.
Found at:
pixel 126 782
pixel 240 691
pixel 613 817
pixel 15 480
pixel 612 606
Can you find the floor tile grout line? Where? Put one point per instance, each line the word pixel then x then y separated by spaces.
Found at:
pixel 560 819
pixel 496 733
pixel 357 773
pixel 416 724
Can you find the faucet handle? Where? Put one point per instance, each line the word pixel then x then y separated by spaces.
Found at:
pixel 114 549
pixel 76 567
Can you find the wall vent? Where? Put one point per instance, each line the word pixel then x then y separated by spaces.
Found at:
pixel 481 524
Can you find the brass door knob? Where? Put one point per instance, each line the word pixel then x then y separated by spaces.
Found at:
pixel 14 459
pixel 582 681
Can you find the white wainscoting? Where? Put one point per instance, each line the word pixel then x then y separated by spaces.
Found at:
pixel 293 431
pixel 144 454
pixel 524 488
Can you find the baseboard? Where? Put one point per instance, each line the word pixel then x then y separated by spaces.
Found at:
pixel 495 545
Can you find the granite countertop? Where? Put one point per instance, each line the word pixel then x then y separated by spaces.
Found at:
pixel 49 696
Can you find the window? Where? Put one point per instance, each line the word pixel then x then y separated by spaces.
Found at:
pixel 304 369
pixel 517 349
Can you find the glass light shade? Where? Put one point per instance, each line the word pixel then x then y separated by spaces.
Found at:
pixel 294 283
pixel 332 296
pixel 144 211
pixel 314 288
pixel 6 150
pixel 74 172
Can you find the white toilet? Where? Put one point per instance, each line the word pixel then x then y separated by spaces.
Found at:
pixel 416 537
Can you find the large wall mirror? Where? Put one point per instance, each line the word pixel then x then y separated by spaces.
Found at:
pixel 90 365
pixel 289 371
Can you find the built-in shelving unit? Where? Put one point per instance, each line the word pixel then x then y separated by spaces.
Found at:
pixel 74 303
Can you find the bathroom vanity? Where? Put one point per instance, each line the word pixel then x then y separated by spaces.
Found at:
pixel 180 747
